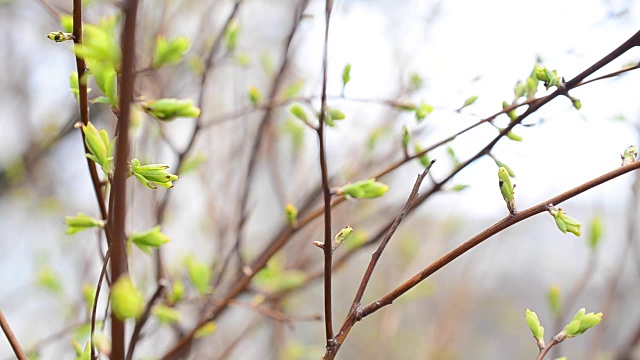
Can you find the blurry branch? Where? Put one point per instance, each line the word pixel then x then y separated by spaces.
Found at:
pixel 50 9
pixel 135 336
pixel 501 225
pixel 326 190
pixel 13 341
pixel 94 306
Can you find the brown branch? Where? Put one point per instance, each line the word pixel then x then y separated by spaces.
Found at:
pixel 135 336
pixel 474 241
pixel 326 189
pixel 94 307
pixel 13 341
pixel 545 350
pixel 119 192
pixel 392 229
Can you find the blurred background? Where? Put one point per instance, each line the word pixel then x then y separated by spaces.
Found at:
pixel 436 52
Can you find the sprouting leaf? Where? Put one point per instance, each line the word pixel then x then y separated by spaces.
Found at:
pixel 422 111
pixel 150 239
pixel 126 300
pixel 469 101
pixel 169 52
pixel 293 89
pixel 207 329
pixel 81 222
pixel 231 35
pixel 165 314
pixel 199 275
pixel 47 279
pixel 346 75
pixel 192 163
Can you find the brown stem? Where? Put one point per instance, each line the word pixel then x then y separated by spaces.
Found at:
pixel 545 350
pixel 135 336
pixel 94 306
pixel 326 190
pixel 13 341
pixel 119 192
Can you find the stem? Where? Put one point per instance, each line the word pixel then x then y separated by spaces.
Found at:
pixel 13 341
pixel 326 190
pixel 119 210
pixel 545 350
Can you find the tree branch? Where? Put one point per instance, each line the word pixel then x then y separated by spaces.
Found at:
pixel 13 341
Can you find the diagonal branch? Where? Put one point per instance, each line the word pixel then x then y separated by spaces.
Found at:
pixel 13 341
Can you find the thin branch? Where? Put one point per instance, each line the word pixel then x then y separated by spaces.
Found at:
pixel 143 319
pixel 392 229
pixel 94 307
pixel 13 341
pixel 326 189
pixel 119 192
pixel 476 240
pixel 545 350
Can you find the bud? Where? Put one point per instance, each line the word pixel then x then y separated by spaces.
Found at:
pixel 255 96
pixel 151 238
pixel 596 233
pixel 501 164
pixel 340 237
pixel 346 75
pixel 126 301
pixel 100 147
pixel 511 113
pixel 424 158
pixel 291 213
pixel 207 329
pixel 422 111
pixel 534 324
pixel 629 155
pixel 565 222
pixel 152 174
pixel 81 222
pixel 581 322
pixel 469 101
pixel 554 298
pixel 169 109
pixel 363 189
pixel 504 181
pixel 165 314
pixel 299 112
pixel 405 105
pixel 169 52
pixel 406 137
pixel 59 36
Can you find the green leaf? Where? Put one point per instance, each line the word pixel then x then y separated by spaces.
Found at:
pixel 88 295
pixel 169 52
pixel 150 239
pixel 297 111
pixel 48 280
pixel 192 163
pixel 152 174
pixel 469 101
pixel 415 82
pixel 295 131
pixel 126 300
pixel 503 165
pixel 255 96
pixel 165 314
pixel 100 44
pixel 424 159
pixel 231 35
pixel 356 240
pixel 207 329
pixel 291 213
pixel 554 299
pixel 534 325
pixel 199 275
pixel 459 187
pixel 293 89
pixel 177 292
pixel 597 231
pixel 363 189
pixel 422 111
pixel 346 75
pixel 170 108
pixel 81 222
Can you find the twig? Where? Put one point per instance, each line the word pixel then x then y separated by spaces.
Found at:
pixel 94 307
pixel 15 345
pixel 119 192
pixel 326 190
pixel 474 241
pixel 545 350
pixel 143 319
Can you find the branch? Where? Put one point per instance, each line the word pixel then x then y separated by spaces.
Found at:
pixel 326 190
pixel 15 345
pixel 119 192
pixel 476 240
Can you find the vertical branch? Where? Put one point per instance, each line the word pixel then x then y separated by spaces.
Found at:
pixel 119 210
pixel 15 345
pixel 326 191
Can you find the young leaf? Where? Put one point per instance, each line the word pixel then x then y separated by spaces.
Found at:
pixel 231 35
pixel 346 75
pixel 469 101
pixel 150 239
pixel 199 275
pixel 207 329
pixel 169 52
pixel 126 300
pixel 81 222
pixel 152 174
pixel 165 314
pixel 422 111
pixel 169 109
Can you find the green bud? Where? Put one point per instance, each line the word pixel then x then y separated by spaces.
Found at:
pixel 581 322
pixel 66 22
pixel 424 159
pixel 205 330
pixel 415 81
pixel 126 300
pixel 47 279
pixel 60 36
pixel 501 164
pixel 520 89
pixel 576 103
pixel 299 112
pixel 336 114
pixel 81 222
pixel 469 101
pixel 512 113
pixel 169 109
pixel 165 314
pixel 459 187
pixel 291 213
pixel 629 155
pixel 565 222
pixel 151 238
pixel 199 275
pixel 169 52
pixel 100 147
pixel 507 189
pixel 293 89
pixel 177 292
pixel 363 189
pixel 346 75
pixel 406 137
pixel 80 353
pixel 596 233
pixel 534 325
pixel 554 299
pixel 255 96
pixel 231 35
pixel 340 237
pixel 422 111
pixel 152 174
pixel 511 135
pixel 532 87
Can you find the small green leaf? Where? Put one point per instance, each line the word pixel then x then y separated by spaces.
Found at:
pixel 48 280
pixel 422 111
pixel 469 101
pixel 169 52
pixel 357 239
pixel 291 213
pixel 406 137
pixel 555 300
pixel 59 36
pixel 596 233
pixel 152 174
pixel 165 314
pixel 255 96
pixel 207 329
pixel 459 187
pixel 346 75
pixel 415 82
pixel 150 239
pixel 299 112
pixel 169 109
pixel 231 35
pixel 126 300
pixel 534 325
pixel 292 90
pixel 504 181
pixel 424 159
pixel 503 165
pixel 66 22
pixel 199 275
pixel 565 222
pixel 192 163
pixel 81 222
pixel 363 189
pixel 88 295
pixel 177 292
